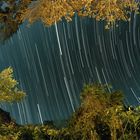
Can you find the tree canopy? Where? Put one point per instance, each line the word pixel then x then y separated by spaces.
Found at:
pixel 15 12
pixel 51 11
pixel 9 91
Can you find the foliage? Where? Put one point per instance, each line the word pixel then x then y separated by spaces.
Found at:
pixel 101 116
pixel 8 87
pixel 13 12
pixel 91 118
pixel 10 16
pixel 51 11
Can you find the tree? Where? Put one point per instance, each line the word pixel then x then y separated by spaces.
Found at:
pixel 10 16
pixel 8 87
pixel 101 116
pixel 51 11
pixel 15 12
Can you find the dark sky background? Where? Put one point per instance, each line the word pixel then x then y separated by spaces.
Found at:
pixel 53 63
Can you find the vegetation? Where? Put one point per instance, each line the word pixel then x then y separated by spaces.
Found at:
pixel 51 11
pixel 8 93
pixel 101 116
pixel 8 87
pixel 10 16
pixel 15 12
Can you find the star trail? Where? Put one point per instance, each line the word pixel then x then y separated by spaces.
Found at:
pixel 53 63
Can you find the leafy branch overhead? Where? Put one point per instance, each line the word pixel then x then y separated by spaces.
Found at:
pixel 8 87
pixel 51 11
pixel 13 12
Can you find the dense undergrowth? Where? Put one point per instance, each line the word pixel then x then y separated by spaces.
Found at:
pixel 101 116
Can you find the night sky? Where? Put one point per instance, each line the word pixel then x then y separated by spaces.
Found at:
pixel 53 63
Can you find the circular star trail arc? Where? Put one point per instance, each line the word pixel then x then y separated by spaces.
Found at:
pixel 52 65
